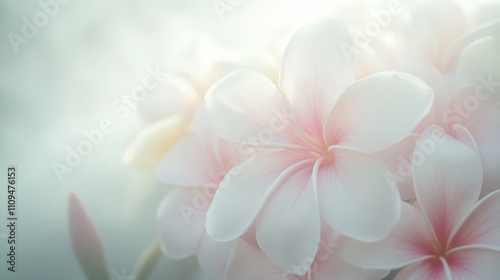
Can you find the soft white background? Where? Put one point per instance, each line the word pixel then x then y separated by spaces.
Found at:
pixel 65 79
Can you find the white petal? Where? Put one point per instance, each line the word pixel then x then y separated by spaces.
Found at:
pixel 482 226
pixel 486 13
pixel 405 244
pixel 434 26
pixel 246 107
pixel 479 59
pixel 214 257
pixel 220 152
pixel 447 179
pixel 376 274
pixel 251 263
pixel 463 135
pixel 458 48
pixel 442 94
pixel 335 268
pixel 289 228
pixel 244 191
pixel 360 119
pixel 187 164
pixel 180 221
pixel 470 104
pixel 201 159
pixel 486 133
pixel 398 159
pixel 153 143
pixel 315 70
pixel 175 95
pixel 469 264
pixel 356 196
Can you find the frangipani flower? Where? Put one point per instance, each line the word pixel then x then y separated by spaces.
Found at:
pixel 434 27
pixel 420 32
pixel 196 165
pixel 250 263
pixel 466 108
pixel 172 107
pixel 447 234
pixel 322 127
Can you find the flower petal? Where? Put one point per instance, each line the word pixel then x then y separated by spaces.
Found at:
pixel 464 45
pixel 149 147
pixel 397 158
pixel 289 228
pixel 468 264
pixel 187 164
pixel 214 257
pixel 376 274
pixel 447 178
pixel 174 96
pixel 180 221
pixel 244 191
pixel 315 70
pixel 224 154
pixel 463 135
pixel 479 59
pixel 442 95
pixel 201 159
pixel 251 263
pixel 482 226
pixel 486 133
pixel 360 118
pixel 356 198
pixel 469 104
pixel 335 268
pixel 440 24
pixel 428 270
pixel 85 240
pixel 406 244
pixel 247 108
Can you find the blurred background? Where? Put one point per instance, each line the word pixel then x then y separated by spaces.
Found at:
pixel 70 73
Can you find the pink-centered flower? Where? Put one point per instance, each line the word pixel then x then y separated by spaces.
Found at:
pixel 195 165
pixel 447 233
pixel 466 108
pixel 321 127
pixel 250 262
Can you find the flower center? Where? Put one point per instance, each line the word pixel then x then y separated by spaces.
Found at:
pixel 439 250
pixel 323 153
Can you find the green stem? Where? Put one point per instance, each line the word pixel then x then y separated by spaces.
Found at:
pixel 147 261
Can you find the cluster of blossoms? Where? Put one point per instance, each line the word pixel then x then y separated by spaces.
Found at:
pixel 329 175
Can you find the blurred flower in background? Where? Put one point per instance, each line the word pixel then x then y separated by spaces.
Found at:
pixel 99 97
